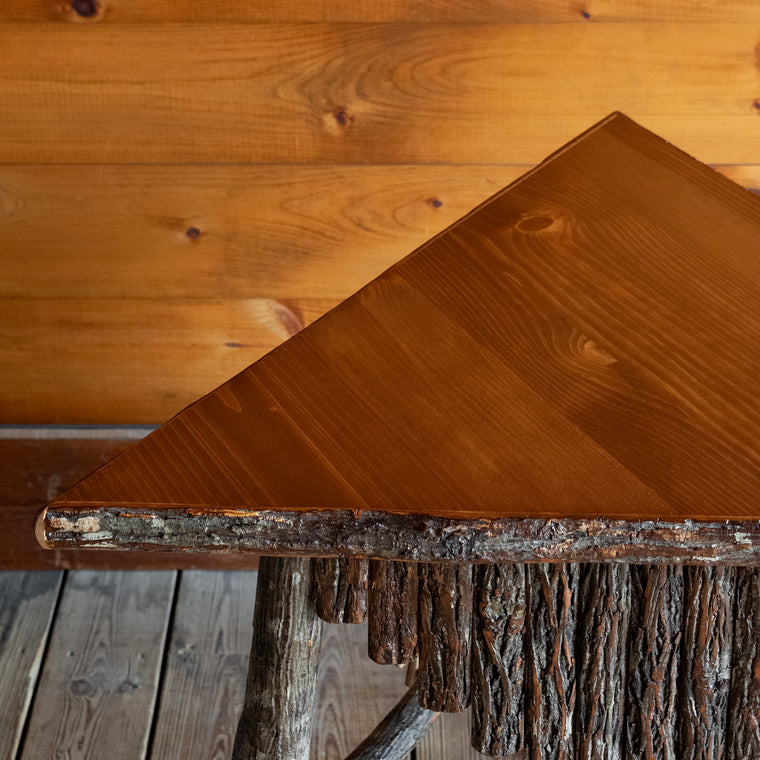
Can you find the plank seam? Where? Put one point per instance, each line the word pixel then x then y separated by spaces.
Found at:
pixel 41 669
pixel 164 665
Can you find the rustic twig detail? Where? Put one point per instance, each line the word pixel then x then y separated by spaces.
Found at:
pixel 653 662
pixel 744 706
pixel 392 634
pixel 340 589
pixel 282 674
pixel 445 609
pixel 604 607
pixel 552 621
pixel 498 662
pixel 706 672
pixel 398 732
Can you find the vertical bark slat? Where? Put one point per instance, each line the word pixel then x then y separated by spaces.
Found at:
pixel 744 703
pixel 706 671
pixel 392 634
pixel 340 589
pixel 653 662
pixel 282 673
pixel 498 659
pixel 604 608
pixel 445 633
pixel 551 666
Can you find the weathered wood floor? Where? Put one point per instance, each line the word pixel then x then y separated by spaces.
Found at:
pixel 152 664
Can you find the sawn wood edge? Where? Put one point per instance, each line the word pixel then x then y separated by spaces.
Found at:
pixel 410 537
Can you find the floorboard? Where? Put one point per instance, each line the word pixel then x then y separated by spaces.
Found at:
pixel 98 685
pixel 27 605
pixel 204 678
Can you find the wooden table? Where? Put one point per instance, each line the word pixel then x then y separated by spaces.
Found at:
pixel 528 451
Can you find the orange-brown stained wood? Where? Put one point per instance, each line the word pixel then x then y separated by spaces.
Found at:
pixel 581 346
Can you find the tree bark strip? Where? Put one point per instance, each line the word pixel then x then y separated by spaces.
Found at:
pixel 498 661
pixel 605 599
pixel 445 631
pixel 392 634
pixel 653 662
pixel 551 659
pixel 744 704
pixel 398 732
pixel 706 672
pixel 282 674
pixel 340 589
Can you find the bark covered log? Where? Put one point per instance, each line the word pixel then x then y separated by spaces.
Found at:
pixel 340 589
pixel 744 704
pixel 604 608
pixel 706 672
pixel 653 662
pixel 282 673
pixel 392 634
pixel 445 634
pixel 551 664
pixel 398 732
pixel 498 662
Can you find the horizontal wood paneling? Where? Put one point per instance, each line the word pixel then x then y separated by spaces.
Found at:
pixel 513 11
pixel 368 93
pixel 222 231
pixel 263 231
pixel 131 361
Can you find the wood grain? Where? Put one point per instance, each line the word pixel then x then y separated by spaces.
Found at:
pixel 498 659
pixel 131 361
pixel 493 11
pixel 604 599
pixel 27 605
pixel 445 636
pixel 33 471
pixel 743 734
pixel 206 664
pixel 706 671
pixel 392 635
pixel 449 737
pixel 270 231
pixel 377 93
pixel 353 694
pixel 340 589
pixel 654 659
pixel 551 659
pixel 98 687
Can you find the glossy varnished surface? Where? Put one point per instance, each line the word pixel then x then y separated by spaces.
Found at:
pixel 581 346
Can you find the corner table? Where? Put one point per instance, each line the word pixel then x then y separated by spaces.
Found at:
pixel 528 452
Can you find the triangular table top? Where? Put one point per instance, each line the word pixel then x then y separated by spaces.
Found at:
pixel 576 356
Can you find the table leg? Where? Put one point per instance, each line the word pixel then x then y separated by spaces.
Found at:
pixel 282 674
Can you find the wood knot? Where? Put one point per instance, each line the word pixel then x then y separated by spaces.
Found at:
pixel 535 223
pixel 193 233
pixel 85 8
pixel 434 202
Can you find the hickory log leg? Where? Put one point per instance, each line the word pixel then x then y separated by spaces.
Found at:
pixel 282 674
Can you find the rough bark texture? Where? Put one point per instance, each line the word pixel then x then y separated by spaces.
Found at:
pixel 653 662
pixel 498 669
pixel 392 634
pixel 604 600
pixel 445 610
pixel 422 538
pixel 398 732
pixel 744 705
pixel 282 674
pixel 552 622
pixel 706 672
pixel 340 589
